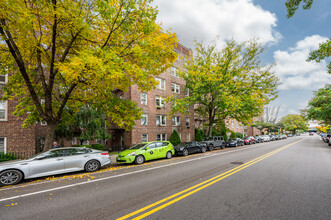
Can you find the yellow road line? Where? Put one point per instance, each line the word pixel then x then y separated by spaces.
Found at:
pixel 207 183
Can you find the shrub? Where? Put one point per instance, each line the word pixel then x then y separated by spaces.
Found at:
pixel 199 135
pixel 174 138
pixel 239 135
pixel 7 157
pixel 98 146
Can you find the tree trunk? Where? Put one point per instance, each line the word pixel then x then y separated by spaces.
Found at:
pixel 50 136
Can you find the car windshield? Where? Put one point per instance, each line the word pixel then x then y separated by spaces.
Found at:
pixel 137 146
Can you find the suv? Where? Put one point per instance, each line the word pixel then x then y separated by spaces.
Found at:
pixel 215 141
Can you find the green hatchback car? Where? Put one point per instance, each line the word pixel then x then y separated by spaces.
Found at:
pixel 146 151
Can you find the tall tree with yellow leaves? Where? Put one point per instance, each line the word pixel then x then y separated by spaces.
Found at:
pixel 63 54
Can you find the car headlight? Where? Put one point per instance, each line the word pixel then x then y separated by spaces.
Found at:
pixel 131 154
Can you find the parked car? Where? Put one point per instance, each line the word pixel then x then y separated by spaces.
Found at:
pixel 215 141
pixel 187 148
pixel 259 139
pixel 249 140
pixel 327 138
pixel 234 142
pixel 272 138
pixel 52 162
pixel 283 136
pixel 265 138
pixel 290 135
pixel 146 151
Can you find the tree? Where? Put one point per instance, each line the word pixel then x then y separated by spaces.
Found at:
pixel 89 123
pixel 66 54
pixel 230 83
pixel 294 122
pixel 324 49
pixel 174 138
pixel 319 107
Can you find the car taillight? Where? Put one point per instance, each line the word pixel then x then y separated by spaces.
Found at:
pixel 104 153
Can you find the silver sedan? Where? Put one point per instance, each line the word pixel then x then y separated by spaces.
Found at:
pixel 52 162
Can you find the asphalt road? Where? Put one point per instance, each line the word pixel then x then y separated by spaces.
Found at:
pixel 287 179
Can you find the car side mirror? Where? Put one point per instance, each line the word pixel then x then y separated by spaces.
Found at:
pixel 146 148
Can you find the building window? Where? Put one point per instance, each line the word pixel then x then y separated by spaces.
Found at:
pixel 74 141
pixel 3 110
pixel 232 124
pixel 176 121
pixel 174 71
pixel 3 144
pixel 161 137
pixel 159 102
pixel 187 92
pixel 86 142
pixel 144 119
pixel 98 141
pixel 188 137
pixel 161 120
pixel 143 98
pixel 3 80
pixel 187 122
pixel 144 138
pixel 161 84
pixel 175 88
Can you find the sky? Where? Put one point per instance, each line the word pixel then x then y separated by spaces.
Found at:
pixel 287 41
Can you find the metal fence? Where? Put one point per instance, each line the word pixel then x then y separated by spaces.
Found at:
pixel 15 155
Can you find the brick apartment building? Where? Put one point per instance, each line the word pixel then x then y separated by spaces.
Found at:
pixel 156 123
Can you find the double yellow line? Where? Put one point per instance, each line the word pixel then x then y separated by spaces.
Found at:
pixel 198 187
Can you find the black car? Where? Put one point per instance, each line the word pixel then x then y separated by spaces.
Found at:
pixel 234 142
pixel 187 148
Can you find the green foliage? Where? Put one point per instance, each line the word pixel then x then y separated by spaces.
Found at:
pixel 7 157
pixel 294 122
pixel 174 138
pixel 230 83
pixel 270 127
pixel 233 135
pixel 293 5
pixel 98 146
pixel 199 135
pixel 319 107
pixel 239 135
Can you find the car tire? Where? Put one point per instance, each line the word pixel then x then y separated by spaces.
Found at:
pixel 140 159
pixel 236 145
pixel 92 165
pixel 10 177
pixel 211 147
pixel 168 155
pixel 185 152
pixel 203 149
pixel 222 146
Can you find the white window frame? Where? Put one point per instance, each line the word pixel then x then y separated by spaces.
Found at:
pixel 162 84
pixel 159 102
pixel 86 142
pixel 74 141
pixel 162 137
pixel 176 121
pixel 174 71
pixel 6 79
pixel 187 92
pixel 160 119
pixel 144 115
pixel 143 101
pixel 175 88
pixel 188 137
pixel 42 102
pixel 142 138
pixel 6 111
pixel 187 122
pixel 4 145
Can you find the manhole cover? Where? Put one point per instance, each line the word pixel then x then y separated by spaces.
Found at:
pixel 237 163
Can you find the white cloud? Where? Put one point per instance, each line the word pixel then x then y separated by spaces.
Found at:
pixel 203 20
pixel 293 69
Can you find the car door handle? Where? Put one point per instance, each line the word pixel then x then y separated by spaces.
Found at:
pixel 86 156
pixel 24 164
pixel 60 159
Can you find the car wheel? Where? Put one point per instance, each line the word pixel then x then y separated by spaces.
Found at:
pixel 185 152
pixel 210 147
pixel 222 146
pixel 10 177
pixel 168 155
pixel 92 165
pixel 236 145
pixel 140 159
pixel 203 149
